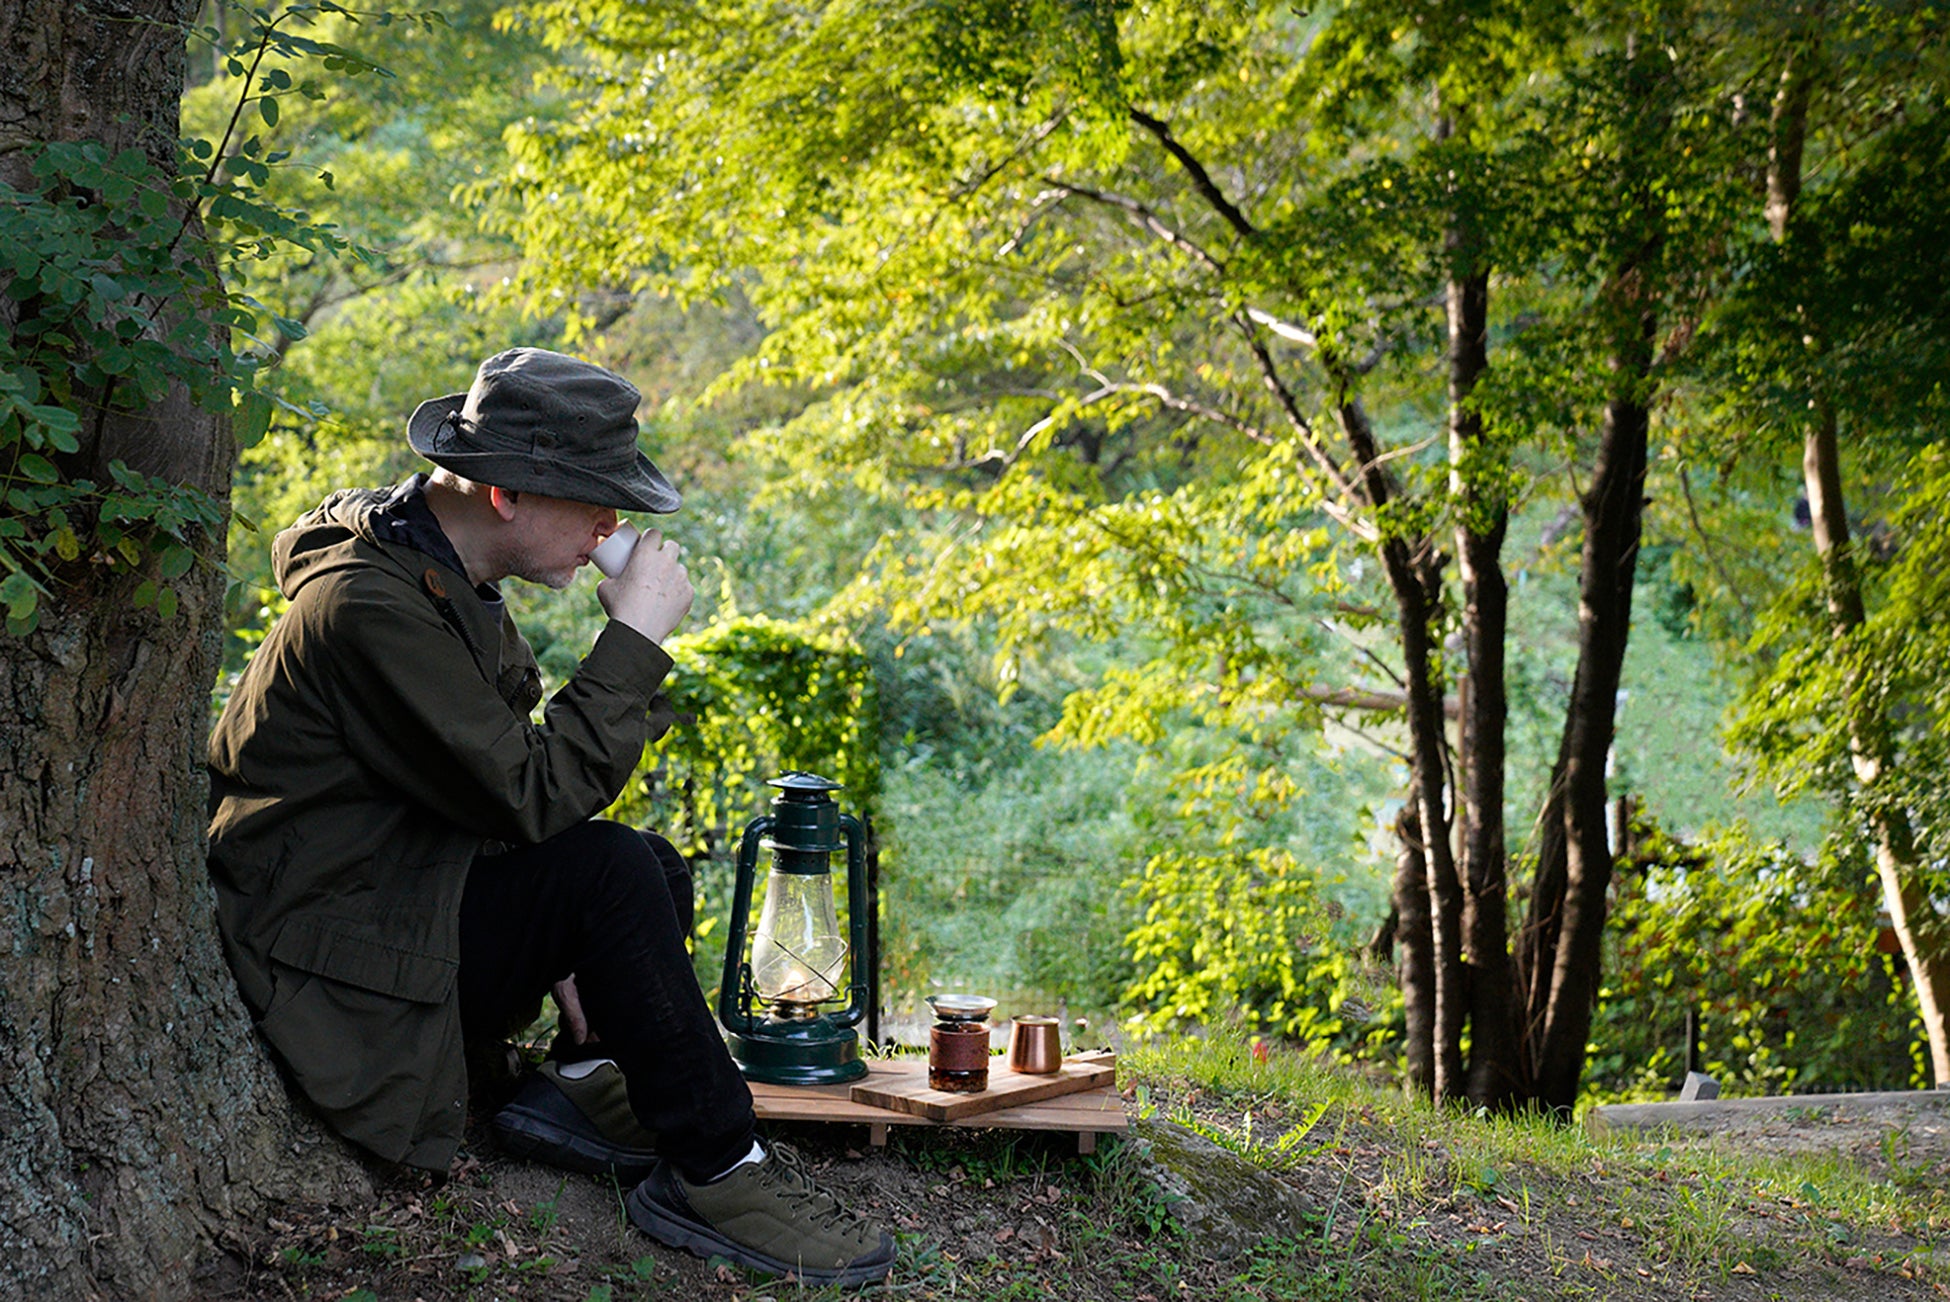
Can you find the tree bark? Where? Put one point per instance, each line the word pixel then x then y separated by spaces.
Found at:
pixel 1923 932
pixel 1415 964
pixel 1415 575
pixel 138 1118
pixel 1561 958
pixel 1613 511
pixel 1495 1076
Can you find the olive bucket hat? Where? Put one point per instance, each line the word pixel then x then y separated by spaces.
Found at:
pixel 540 422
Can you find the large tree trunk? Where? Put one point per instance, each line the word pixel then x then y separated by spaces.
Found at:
pixel 1923 932
pixel 137 1115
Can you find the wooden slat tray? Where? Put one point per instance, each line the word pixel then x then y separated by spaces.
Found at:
pixel 1088 1113
pixel 909 1091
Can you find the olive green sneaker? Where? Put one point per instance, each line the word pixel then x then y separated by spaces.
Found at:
pixel 582 1123
pixel 766 1216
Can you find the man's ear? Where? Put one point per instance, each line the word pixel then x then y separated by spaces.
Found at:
pixel 503 501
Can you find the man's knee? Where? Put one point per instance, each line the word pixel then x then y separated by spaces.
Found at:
pixel 677 878
pixel 631 870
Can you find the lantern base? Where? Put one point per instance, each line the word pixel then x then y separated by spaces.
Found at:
pixel 798 1052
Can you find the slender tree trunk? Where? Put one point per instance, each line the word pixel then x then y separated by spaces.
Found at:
pixel 1415 964
pixel 1613 510
pixel 1537 940
pixel 138 1118
pixel 1495 1075
pixel 1562 954
pixel 1415 576
pixel 1922 930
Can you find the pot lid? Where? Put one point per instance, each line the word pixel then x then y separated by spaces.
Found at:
pixel 961 1008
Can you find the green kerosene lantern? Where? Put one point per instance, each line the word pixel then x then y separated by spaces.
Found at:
pixel 798 956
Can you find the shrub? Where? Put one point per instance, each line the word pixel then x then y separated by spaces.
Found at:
pixel 1777 956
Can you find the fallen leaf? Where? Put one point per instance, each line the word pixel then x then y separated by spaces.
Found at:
pixel 1596 1263
pixel 1742 1268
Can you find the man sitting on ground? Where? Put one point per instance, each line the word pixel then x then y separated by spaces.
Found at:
pixel 405 862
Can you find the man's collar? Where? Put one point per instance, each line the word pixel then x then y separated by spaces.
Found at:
pixel 404 518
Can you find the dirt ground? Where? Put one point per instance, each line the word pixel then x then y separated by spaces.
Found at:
pixel 1005 1215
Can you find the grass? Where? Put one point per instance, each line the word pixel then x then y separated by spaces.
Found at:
pixel 1468 1188
pixel 1397 1200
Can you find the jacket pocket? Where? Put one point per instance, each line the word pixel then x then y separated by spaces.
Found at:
pixel 335 949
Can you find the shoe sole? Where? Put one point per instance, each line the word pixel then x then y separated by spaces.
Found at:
pixel 703 1241
pixel 523 1134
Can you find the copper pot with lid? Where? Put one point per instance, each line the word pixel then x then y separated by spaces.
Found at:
pixel 958 1043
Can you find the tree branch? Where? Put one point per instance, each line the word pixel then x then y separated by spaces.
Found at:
pixel 1143 216
pixel 1201 179
pixel 1270 374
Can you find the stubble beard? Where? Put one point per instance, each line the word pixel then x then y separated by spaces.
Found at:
pixel 526 567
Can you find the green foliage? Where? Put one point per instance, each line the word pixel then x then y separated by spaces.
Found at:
pixel 1229 932
pixel 116 304
pixel 109 315
pixel 1895 667
pixel 1086 297
pixel 1237 924
pixel 1779 959
pixel 412 108
pixel 1011 875
pixel 1843 311
pixel 757 696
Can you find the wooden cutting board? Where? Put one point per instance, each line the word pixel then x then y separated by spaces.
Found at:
pixel 908 1092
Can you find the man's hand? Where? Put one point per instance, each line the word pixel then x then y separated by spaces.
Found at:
pixel 653 593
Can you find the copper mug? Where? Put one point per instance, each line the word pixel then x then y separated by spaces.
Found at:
pixel 1035 1045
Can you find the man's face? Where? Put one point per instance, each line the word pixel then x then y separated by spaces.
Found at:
pixel 552 537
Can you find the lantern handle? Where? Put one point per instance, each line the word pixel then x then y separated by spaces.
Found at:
pixel 858 904
pixel 734 998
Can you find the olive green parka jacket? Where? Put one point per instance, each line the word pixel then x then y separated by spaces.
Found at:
pixel 379 738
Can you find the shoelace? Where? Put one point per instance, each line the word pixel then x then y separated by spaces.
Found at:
pixel 788 1170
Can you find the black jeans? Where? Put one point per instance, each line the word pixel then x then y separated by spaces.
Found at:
pixel 611 905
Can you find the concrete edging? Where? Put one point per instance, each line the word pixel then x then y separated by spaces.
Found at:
pixel 1714 1114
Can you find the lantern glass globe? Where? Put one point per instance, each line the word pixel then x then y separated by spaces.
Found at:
pixel 798 949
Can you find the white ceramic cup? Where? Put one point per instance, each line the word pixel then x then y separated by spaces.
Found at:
pixel 613 553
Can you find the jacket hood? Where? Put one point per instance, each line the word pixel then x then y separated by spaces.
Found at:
pixel 326 538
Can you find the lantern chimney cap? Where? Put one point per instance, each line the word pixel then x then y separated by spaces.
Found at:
pixel 803 786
